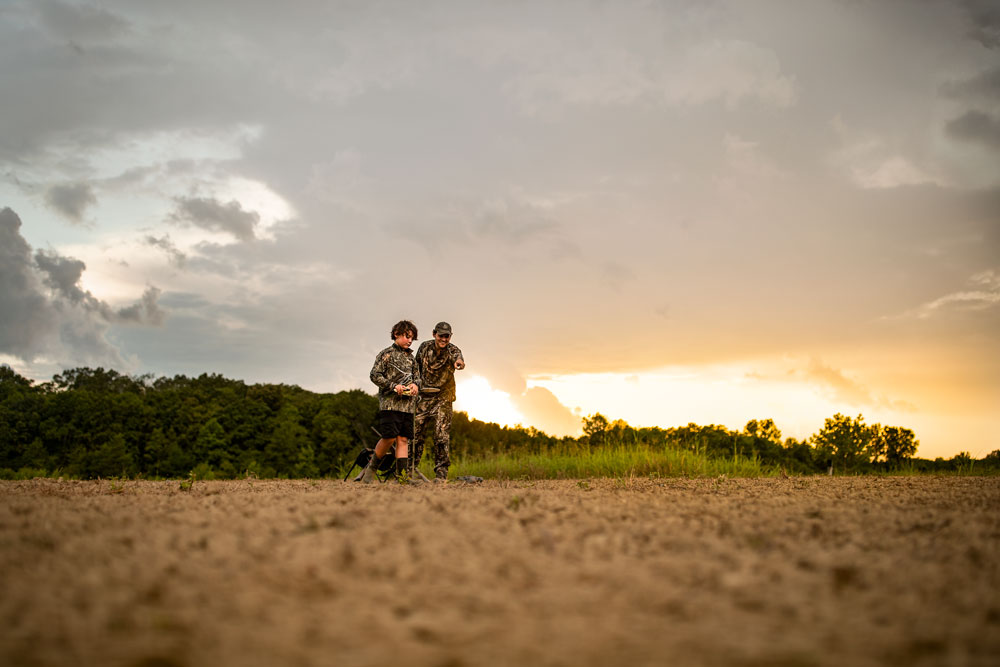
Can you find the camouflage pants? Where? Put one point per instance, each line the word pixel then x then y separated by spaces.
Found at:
pixel 438 410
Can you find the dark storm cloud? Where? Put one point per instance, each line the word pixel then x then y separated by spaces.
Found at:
pixel 62 274
pixel 71 199
pixel 73 60
pixel 976 127
pixel 79 23
pixel 984 86
pixel 213 215
pixel 47 313
pixel 27 316
pixel 985 18
pixel 176 257
pixel 146 311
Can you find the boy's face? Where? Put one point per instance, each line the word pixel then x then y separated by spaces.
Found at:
pixel 404 339
pixel 442 340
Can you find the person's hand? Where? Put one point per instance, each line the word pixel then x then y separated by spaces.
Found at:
pixel 459 364
pixel 399 389
pixel 413 389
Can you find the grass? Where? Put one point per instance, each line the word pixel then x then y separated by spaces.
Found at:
pixel 612 461
pixel 568 461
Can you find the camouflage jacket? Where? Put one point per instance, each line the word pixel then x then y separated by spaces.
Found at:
pixel 393 366
pixel 437 368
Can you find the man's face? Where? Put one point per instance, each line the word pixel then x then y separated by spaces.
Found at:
pixel 442 340
pixel 404 339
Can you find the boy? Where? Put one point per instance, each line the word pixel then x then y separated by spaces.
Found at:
pixel 398 379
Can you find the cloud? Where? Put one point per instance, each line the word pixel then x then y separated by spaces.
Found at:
pixel 146 311
pixel 893 172
pixel 79 23
pixel 542 409
pixel 508 221
pixel 28 317
pixel 984 16
pixel 71 199
pixel 731 71
pixel 984 293
pixel 983 86
pixel 873 163
pixel 842 389
pixel 175 256
pixel 62 274
pixel 976 127
pixel 610 77
pixel 47 314
pixel 212 215
pixel 616 275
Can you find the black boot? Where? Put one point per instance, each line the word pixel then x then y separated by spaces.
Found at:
pixel 403 472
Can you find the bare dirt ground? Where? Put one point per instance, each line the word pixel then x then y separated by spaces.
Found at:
pixel 787 572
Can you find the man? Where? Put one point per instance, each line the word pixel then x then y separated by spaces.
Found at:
pixel 397 377
pixel 437 360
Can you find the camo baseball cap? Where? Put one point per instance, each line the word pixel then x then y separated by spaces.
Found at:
pixel 442 328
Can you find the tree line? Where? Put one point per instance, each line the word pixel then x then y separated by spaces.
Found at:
pixel 845 444
pixel 90 423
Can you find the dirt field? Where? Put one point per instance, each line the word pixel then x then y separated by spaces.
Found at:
pixel 787 572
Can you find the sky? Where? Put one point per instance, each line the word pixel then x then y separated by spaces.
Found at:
pixel 666 212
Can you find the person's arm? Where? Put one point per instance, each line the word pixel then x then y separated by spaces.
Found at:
pixel 418 358
pixel 459 359
pixel 379 374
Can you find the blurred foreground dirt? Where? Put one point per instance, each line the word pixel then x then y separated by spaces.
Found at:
pixel 788 572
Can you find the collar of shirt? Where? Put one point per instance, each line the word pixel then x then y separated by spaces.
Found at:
pixel 403 349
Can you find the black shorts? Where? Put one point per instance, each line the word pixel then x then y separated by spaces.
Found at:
pixel 392 423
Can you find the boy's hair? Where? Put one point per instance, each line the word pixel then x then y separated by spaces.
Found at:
pixel 402 327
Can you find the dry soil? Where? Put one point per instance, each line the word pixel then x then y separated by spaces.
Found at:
pixel 800 571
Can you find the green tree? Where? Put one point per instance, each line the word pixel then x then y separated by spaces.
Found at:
pixel 99 380
pixel 595 428
pixel 992 460
pixel 961 461
pixel 620 433
pixel 155 453
pixel 799 456
pixel 111 459
pixel 10 381
pixel 893 445
pixel 764 440
pixel 306 464
pixel 176 462
pixel 845 441
pixel 211 448
pixel 35 456
pixel 287 439
pixel 764 429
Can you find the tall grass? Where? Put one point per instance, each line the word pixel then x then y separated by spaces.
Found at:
pixel 610 461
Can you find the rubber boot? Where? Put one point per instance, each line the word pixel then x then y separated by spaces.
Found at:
pixel 368 476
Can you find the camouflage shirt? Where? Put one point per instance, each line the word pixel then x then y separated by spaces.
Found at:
pixel 437 368
pixel 395 365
